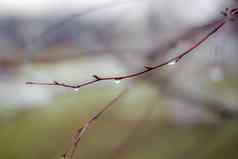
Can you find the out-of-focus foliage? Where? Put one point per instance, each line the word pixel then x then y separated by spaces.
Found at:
pixel 45 132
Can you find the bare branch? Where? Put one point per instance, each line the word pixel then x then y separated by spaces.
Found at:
pixel 81 131
pixel 171 61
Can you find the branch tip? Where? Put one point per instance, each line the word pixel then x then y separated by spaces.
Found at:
pixel 230 14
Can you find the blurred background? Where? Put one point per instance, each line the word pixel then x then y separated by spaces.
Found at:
pixel 185 111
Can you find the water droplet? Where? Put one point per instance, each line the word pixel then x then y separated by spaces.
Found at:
pixel 76 89
pixel 117 81
pixel 172 63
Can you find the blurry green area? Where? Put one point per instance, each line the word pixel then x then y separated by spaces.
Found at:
pixel 47 131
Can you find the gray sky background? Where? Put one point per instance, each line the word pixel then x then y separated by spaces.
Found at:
pixel 36 7
pixel 39 7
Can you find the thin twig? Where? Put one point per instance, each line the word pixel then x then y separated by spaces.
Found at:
pixel 171 61
pixel 81 131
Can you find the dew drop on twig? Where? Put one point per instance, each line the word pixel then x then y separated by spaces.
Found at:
pixel 117 81
pixel 76 89
pixel 172 62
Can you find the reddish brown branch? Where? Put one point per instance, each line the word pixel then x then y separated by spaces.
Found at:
pixel 171 61
pixel 81 131
pixel 230 15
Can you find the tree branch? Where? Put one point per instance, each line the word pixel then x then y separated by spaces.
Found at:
pixel 171 61
pixel 81 131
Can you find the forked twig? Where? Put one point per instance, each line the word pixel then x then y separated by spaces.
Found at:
pixel 81 131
